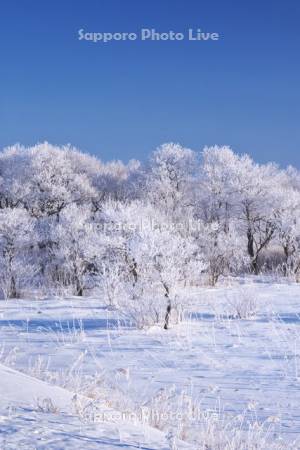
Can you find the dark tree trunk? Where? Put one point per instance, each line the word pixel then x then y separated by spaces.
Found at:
pixel 79 288
pixel 12 289
pixel 250 243
pixel 134 272
pixel 167 316
pixel 254 266
pixel 168 312
pixel 251 252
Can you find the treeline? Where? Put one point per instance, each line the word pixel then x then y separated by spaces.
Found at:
pixel 69 221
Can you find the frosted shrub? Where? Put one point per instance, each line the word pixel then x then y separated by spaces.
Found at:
pixel 141 307
pixel 46 405
pixel 241 304
pixel 183 419
pixel 111 284
pixel 85 408
pixel 145 309
pixel 9 358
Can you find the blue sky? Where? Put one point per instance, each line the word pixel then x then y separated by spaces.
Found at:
pixel 122 99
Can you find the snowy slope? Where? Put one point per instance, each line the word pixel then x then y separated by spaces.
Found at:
pixel 26 422
pixel 18 389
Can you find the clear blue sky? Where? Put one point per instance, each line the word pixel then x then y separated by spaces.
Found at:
pixel 122 99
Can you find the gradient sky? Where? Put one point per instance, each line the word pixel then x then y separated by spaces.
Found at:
pixel 123 99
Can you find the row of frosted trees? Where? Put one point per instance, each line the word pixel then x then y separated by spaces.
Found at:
pixel 71 222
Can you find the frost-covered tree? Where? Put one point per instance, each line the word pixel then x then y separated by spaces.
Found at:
pixel 216 187
pixel 14 175
pixel 259 200
pixel 169 180
pixel 223 251
pixel 288 229
pixel 76 247
pixel 235 188
pixel 150 257
pixel 57 180
pixel 162 261
pixel 44 179
pixel 116 181
pixel 16 241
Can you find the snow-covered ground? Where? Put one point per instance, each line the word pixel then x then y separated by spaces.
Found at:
pixel 75 374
